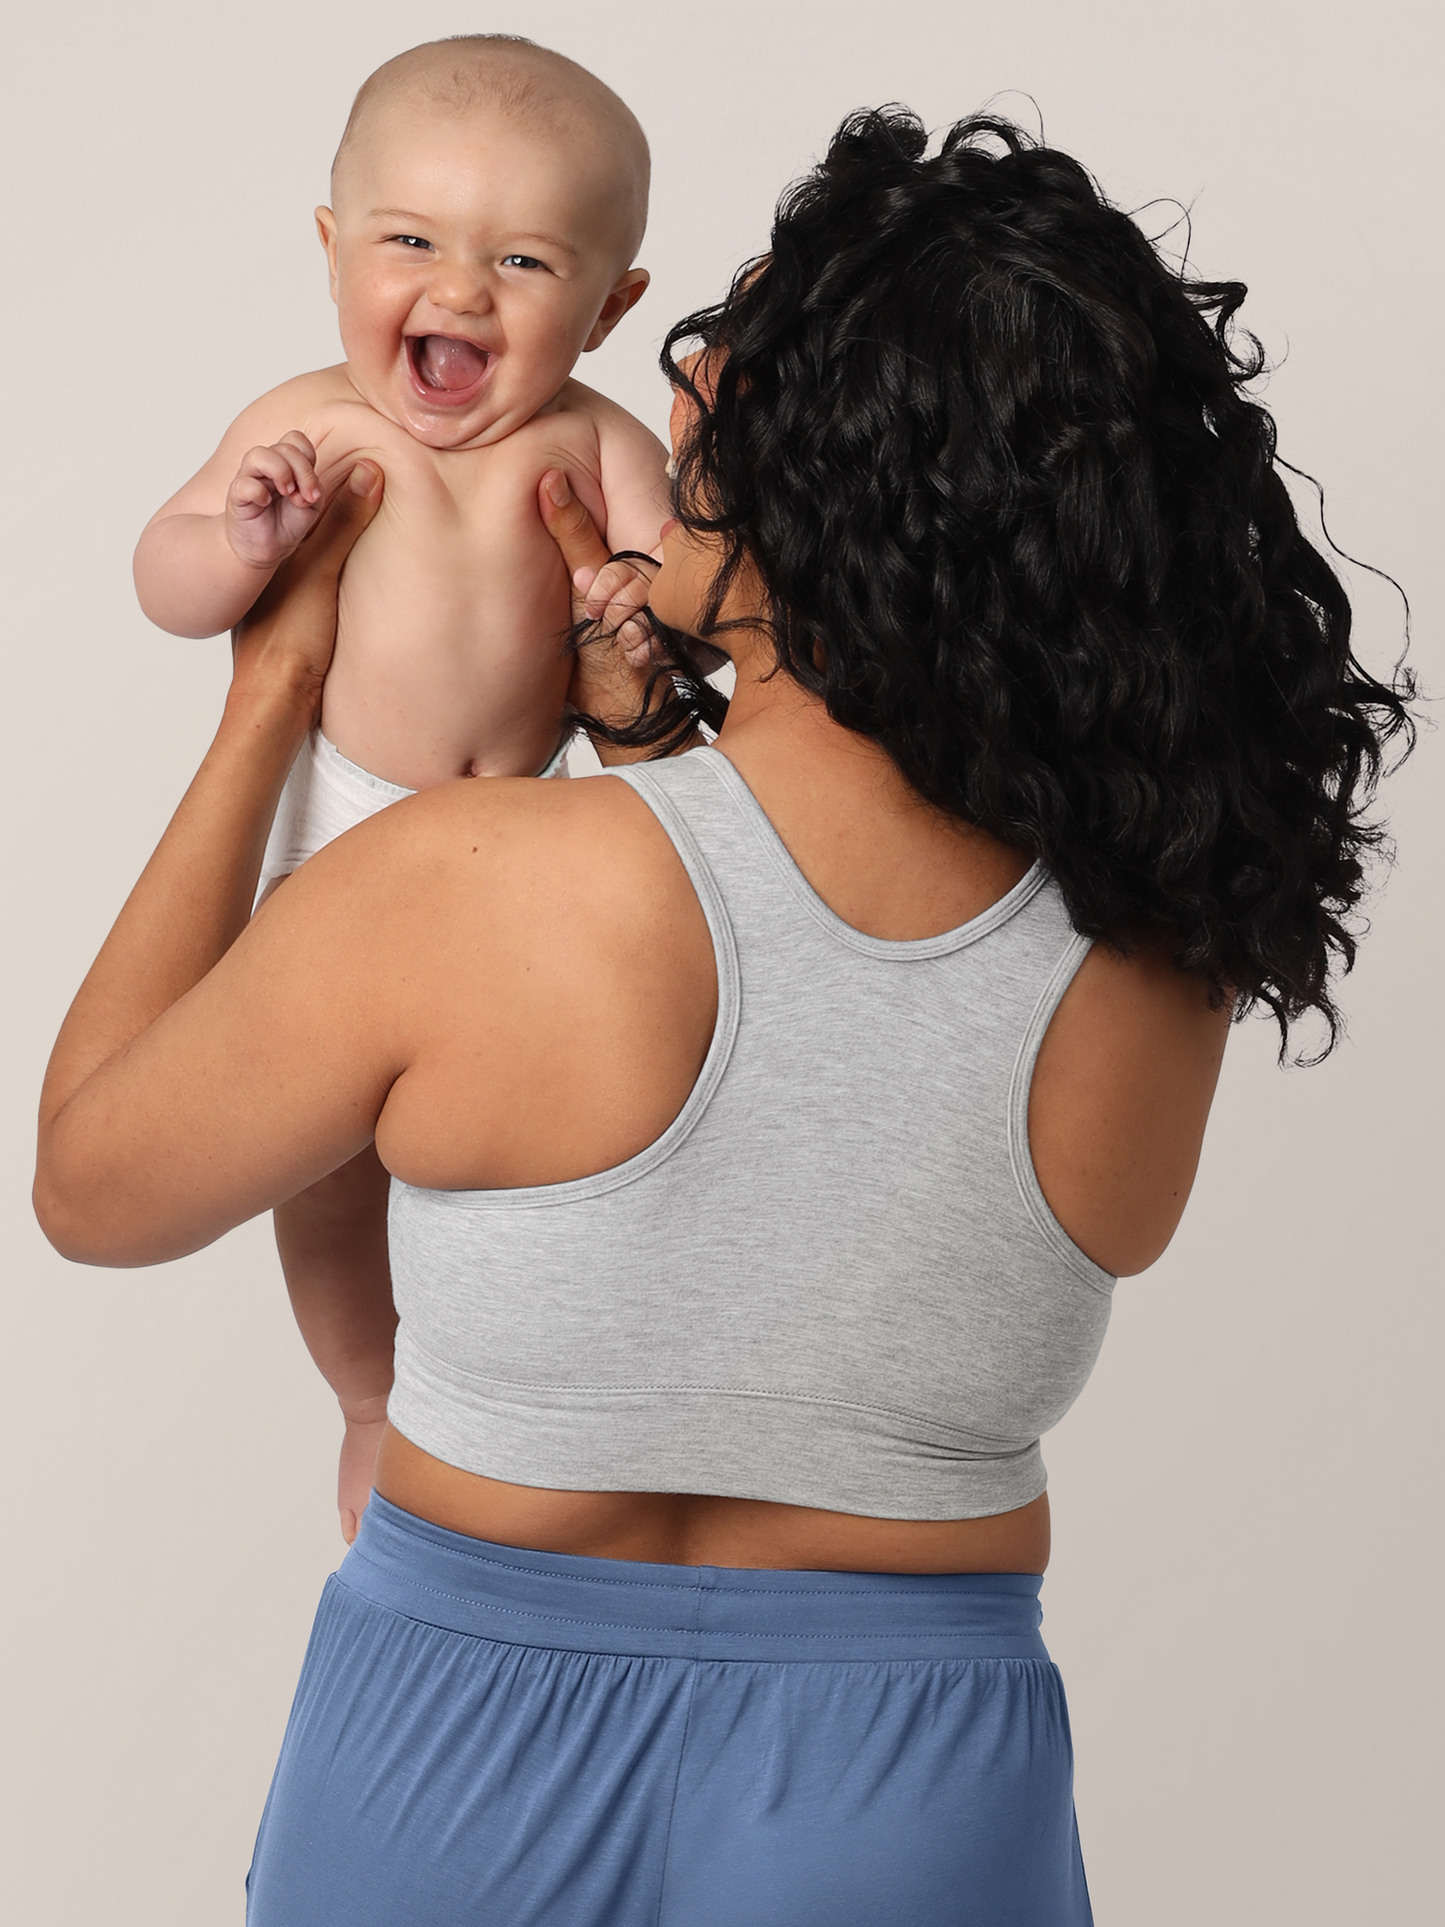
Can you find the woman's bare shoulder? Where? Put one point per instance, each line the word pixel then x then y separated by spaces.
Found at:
pixel 533 956
pixel 501 863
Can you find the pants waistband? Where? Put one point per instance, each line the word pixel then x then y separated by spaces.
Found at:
pixel 620 1606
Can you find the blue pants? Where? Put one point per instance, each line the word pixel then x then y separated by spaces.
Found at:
pixel 484 1737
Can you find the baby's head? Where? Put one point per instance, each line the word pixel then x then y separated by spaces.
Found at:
pixel 488 198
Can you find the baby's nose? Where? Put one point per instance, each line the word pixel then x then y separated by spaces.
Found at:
pixel 459 289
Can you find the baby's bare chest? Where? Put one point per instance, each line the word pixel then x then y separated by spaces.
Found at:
pixel 461 526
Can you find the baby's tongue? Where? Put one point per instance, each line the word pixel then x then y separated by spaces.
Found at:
pixel 443 362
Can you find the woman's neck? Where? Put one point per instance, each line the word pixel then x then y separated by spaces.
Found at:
pixel 881 857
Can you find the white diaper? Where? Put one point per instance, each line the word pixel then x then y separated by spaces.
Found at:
pixel 327 794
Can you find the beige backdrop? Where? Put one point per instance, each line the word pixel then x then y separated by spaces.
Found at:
pixel 1247 1565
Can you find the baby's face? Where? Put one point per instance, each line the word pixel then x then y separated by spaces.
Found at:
pixel 472 260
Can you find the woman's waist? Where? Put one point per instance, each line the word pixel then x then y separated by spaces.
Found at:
pixel 696 1529
pixel 410 1565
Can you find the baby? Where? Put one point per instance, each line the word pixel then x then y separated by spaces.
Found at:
pixel 488 198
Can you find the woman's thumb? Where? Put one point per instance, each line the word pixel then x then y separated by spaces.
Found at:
pixel 350 510
pixel 568 523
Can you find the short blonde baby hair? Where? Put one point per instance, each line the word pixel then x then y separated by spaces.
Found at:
pixel 525 82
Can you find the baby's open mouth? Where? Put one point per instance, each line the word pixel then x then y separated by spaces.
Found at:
pixel 445 365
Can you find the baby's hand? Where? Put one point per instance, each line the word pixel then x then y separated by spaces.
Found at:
pixel 273 504
pixel 615 597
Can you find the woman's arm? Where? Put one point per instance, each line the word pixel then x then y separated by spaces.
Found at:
pixel 118 1068
pixel 210 1067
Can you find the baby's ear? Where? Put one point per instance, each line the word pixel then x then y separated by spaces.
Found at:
pixel 626 294
pixel 326 228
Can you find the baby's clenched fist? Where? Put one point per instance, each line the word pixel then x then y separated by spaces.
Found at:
pixel 273 503
pixel 615 598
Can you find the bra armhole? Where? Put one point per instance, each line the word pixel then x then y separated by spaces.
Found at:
pixel 676 828
pixel 1021 1157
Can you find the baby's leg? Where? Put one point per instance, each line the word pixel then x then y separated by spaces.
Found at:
pixel 332 1237
pixel 332 1241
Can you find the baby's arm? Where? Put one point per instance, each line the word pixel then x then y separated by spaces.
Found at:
pixel 633 465
pixel 205 556
pixel 634 479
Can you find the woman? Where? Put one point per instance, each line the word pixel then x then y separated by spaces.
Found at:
pixel 767 1127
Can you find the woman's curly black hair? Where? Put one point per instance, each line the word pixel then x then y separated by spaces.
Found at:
pixel 1018 521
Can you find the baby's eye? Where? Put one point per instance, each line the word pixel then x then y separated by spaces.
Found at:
pixel 413 241
pixel 521 261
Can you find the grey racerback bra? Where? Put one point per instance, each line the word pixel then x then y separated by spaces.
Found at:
pixel 833 1280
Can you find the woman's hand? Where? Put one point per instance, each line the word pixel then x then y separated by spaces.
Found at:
pixel 289 636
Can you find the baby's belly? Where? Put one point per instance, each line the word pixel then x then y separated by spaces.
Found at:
pixel 450 656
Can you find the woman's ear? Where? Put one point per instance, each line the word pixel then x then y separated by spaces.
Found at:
pixel 627 293
pixel 326 228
